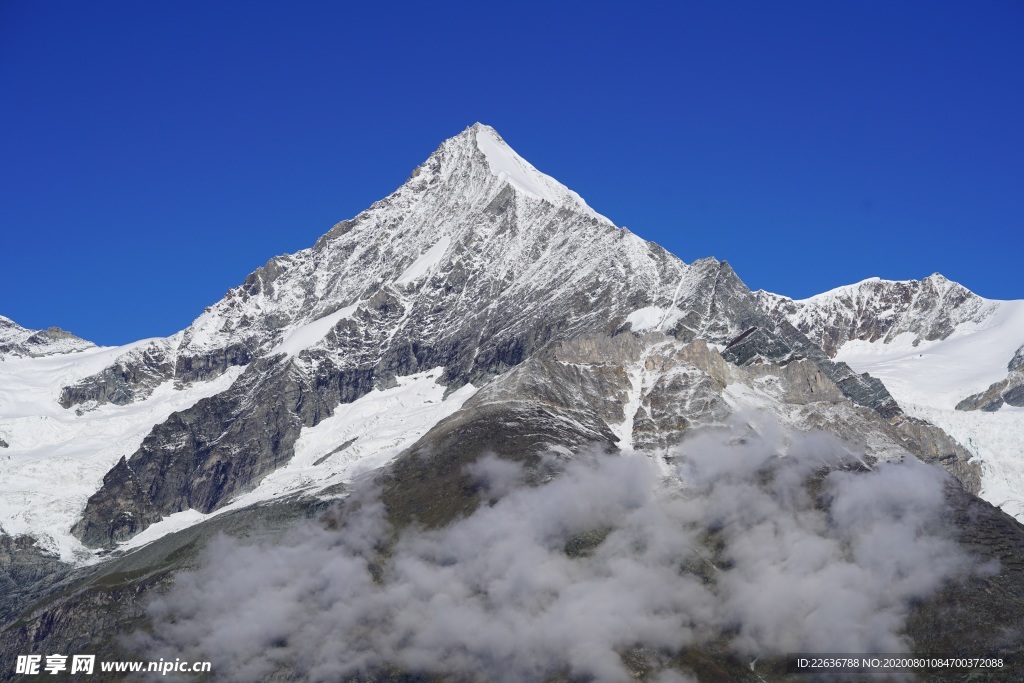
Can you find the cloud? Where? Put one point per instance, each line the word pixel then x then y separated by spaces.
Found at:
pixel 565 576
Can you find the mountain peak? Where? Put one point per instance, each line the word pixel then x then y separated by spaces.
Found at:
pixel 507 165
pixel 17 341
pixel 874 309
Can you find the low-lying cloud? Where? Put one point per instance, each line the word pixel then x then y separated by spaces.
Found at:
pixel 563 577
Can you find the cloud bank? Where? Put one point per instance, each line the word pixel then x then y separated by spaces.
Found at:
pixel 563 577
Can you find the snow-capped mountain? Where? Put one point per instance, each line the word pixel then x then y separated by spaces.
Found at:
pixel 464 272
pixel 481 310
pixel 19 342
pixel 946 354
pixel 471 266
pixel 883 310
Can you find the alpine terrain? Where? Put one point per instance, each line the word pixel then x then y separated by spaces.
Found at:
pixel 478 432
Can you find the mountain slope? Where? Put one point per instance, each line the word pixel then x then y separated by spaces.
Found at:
pixel 54 457
pixel 947 355
pixel 478 261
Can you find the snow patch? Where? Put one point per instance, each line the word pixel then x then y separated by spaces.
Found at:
pixel 506 164
pixel 509 166
pixel 167 525
pixel 624 430
pixel 305 336
pixel 426 263
pixel 361 436
pixel 653 318
pixel 645 318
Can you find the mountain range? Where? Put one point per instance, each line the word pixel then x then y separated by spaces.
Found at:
pixel 467 345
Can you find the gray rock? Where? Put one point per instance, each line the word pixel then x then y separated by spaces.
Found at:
pixel 19 342
pixel 875 309
pixel 1015 396
pixel 989 400
pixel 26 573
pixel 132 377
pixel 1017 362
pixel 1009 391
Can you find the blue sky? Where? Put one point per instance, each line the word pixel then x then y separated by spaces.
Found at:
pixel 154 153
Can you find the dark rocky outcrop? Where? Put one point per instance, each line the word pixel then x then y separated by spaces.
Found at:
pixel 1009 391
pixel 96 609
pixel 196 368
pixel 988 401
pixel 221 446
pixel 26 573
pixel 132 377
pixel 1017 362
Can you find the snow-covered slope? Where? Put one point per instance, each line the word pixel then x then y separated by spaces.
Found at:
pixel 360 437
pixel 933 343
pixel 56 457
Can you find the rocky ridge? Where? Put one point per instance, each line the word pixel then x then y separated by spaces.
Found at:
pixel 1009 391
pixel 19 342
pixel 881 310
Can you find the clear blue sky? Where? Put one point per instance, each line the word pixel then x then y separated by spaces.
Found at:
pixel 154 153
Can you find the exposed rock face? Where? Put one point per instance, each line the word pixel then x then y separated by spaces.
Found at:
pixel 984 613
pixel 26 573
pixel 222 445
pixel 988 401
pixel 1017 362
pixel 1009 391
pixel 17 341
pixel 646 393
pixel 1014 396
pixel 875 309
pixel 132 377
pixel 87 610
